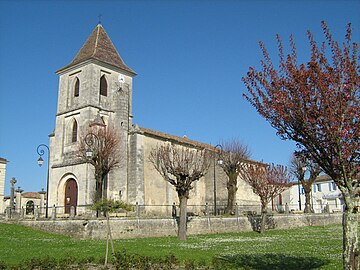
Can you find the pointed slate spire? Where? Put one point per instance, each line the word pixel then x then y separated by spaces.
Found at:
pixel 99 46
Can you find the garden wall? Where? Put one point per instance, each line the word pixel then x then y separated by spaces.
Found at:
pixel 129 228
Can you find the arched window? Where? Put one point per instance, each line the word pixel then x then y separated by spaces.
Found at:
pixel 74 132
pixel 103 86
pixel 76 87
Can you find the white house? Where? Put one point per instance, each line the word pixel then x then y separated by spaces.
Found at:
pixel 324 195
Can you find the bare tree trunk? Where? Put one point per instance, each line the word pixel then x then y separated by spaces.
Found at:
pixel 232 188
pixel 350 237
pixel 98 187
pixel 98 191
pixel 263 216
pixel 183 218
pixel 308 207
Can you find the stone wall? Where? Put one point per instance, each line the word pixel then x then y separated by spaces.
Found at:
pixel 130 228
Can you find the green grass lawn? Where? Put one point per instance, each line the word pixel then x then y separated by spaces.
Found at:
pixel 301 248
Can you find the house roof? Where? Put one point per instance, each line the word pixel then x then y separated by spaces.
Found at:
pixel 319 179
pixel 323 178
pixel 32 195
pixel 99 47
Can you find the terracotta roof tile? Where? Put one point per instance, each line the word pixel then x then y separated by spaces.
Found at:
pixel 182 140
pixel 32 195
pixel 322 178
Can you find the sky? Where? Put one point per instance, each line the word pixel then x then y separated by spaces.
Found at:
pixel 189 55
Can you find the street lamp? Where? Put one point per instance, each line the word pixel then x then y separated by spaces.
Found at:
pixel 40 150
pixel 90 140
pixel 220 147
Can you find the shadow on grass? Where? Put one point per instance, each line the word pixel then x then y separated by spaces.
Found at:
pixel 270 261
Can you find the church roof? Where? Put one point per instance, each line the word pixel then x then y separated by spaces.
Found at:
pixel 182 140
pixel 3 160
pixel 99 46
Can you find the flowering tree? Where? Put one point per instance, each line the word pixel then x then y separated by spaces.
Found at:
pixel 298 166
pixel 266 181
pixel 233 159
pixel 181 167
pixel 318 105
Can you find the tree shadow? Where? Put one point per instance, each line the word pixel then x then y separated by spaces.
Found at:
pixel 269 261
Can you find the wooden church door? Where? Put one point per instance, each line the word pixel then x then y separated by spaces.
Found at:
pixel 71 195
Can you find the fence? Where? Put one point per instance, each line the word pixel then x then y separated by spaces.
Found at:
pixel 150 211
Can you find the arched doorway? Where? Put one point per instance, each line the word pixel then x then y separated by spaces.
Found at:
pixel 71 195
pixel 30 208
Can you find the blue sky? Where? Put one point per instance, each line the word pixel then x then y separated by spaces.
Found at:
pixel 189 56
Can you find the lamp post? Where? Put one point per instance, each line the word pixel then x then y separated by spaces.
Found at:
pixel 40 150
pixel 91 141
pixel 215 206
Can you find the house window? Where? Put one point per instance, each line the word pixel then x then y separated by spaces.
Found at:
pixel 334 186
pixel 314 188
pixel 76 87
pixel 74 132
pixel 319 187
pixel 330 186
pixel 103 86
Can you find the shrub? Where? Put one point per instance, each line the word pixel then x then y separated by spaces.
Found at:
pixel 40 263
pixel 2 265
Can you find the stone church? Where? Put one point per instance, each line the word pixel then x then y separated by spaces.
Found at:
pixel 96 89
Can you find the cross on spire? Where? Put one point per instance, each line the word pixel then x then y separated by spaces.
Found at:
pixel 99 18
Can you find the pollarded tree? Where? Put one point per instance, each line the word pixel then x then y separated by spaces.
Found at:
pixel 100 147
pixel 317 105
pixel 267 181
pixel 233 157
pixel 299 164
pixel 181 166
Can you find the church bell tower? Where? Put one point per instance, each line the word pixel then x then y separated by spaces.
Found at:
pixel 95 88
